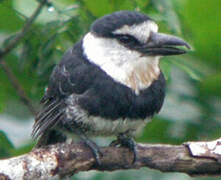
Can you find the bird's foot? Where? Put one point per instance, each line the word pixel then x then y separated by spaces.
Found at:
pixel 125 141
pixel 92 145
pixel 95 150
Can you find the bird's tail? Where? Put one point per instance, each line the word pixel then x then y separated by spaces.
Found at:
pixel 53 136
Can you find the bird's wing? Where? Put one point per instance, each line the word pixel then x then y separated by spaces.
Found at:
pixel 70 77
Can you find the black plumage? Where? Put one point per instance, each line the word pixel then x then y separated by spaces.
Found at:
pixel 97 93
pixel 107 24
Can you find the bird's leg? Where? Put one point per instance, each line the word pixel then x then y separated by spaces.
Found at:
pixel 93 146
pixel 126 141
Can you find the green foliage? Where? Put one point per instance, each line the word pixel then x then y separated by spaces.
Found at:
pixel 7 149
pixel 192 108
pixel 5 145
pixel 9 15
pixel 205 29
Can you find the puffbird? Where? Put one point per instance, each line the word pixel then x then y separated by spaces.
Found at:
pixel 109 83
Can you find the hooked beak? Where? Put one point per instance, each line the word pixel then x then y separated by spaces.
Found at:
pixel 164 45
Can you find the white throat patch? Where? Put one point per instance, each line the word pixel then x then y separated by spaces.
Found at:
pixel 122 64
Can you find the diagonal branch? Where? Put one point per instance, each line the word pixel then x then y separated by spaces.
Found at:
pixel 11 45
pixel 14 42
pixel 18 88
pixel 60 160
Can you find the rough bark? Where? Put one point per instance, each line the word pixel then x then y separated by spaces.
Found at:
pixel 60 160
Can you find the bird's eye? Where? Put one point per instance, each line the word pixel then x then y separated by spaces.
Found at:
pixel 127 39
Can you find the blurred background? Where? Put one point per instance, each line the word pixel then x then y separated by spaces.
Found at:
pixel 192 109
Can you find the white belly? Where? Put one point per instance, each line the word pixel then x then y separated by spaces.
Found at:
pixel 98 126
pixel 106 127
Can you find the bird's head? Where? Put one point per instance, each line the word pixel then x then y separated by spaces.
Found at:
pixel 127 46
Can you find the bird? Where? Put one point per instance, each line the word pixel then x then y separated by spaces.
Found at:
pixel 108 84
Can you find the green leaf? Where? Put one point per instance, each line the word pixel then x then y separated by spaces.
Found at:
pixel 5 145
pixel 123 5
pixel 141 4
pixel 10 20
pixel 211 86
pixel 165 66
pixel 193 73
pixel 2 99
pixel 203 24
pixel 28 7
pixel 105 7
pixel 22 150
pixel 167 15
pixel 157 131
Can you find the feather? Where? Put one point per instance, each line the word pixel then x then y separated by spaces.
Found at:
pixel 48 117
pixel 49 124
pixel 49 110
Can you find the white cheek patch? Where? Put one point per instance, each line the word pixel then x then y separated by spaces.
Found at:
pixel 140 31
pixel 108 54
pixel 124 65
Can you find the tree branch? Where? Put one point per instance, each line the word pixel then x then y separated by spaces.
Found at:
pixel 11 45
pixel 60 160
pixel 14 42
pixel 18 88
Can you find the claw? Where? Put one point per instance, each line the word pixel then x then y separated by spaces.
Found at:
pixel 115 143
pixel 128 142
pixel 95 150
pixel 93 146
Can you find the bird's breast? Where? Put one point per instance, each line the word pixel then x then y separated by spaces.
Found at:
pixel 142 75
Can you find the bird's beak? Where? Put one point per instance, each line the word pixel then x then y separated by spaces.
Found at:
pixel 164 45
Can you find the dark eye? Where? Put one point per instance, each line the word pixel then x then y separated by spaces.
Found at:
pixel 127 39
